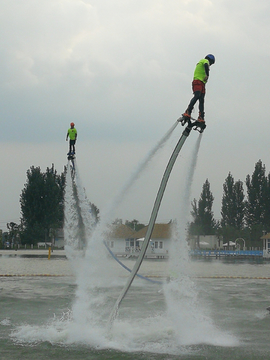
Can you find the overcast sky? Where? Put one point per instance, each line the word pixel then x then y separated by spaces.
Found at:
pixel 121 70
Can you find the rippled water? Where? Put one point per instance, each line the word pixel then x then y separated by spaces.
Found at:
pixel 227 320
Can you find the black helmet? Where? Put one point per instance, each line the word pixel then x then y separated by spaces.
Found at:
pixel 211 58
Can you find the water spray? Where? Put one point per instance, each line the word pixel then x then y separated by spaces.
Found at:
pixel 152 220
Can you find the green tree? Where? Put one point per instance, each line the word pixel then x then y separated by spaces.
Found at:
pixel 233 204
pixel 257 196
pixel 13 232
pixel 195 227
pixel 267 206
pixel 257 214
pixel 240 205
pixel 203 218
pixel 117 221
pixel 134 225
pixel 42 204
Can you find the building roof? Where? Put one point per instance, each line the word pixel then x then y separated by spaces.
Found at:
pixel 160 231
pixel 121 231
pixel 266 236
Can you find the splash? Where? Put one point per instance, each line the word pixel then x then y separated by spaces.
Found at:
pixel 146 329
pixel 71 225
pixel 189 320
pixel 84 205
pixel 151 224
pixel 96 273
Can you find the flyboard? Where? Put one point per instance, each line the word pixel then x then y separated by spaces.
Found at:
pixel 71 157
pixel 190 124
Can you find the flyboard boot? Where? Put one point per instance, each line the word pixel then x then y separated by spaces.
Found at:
pixel 185 118
pixel 200 123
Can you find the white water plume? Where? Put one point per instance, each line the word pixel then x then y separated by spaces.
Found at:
pixel 149 330
pixel 191 324
pixel 179 247
pixel 95 270
pixel 71 225
pixel 94 280
pixel 87 217
pixel 185 321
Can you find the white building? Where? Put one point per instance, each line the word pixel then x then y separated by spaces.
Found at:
pixel 117 237
pixel 123 241
pixel 58 240
pixel 266 245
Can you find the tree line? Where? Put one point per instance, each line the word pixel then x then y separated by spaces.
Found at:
pixel 42 207
pixel 242 215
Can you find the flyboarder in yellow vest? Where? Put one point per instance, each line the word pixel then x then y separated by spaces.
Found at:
pixel 201 75
pixel 72 135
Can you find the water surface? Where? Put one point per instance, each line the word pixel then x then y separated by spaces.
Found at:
pixel 38 319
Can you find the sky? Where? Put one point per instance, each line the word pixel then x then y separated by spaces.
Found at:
pixel 121 70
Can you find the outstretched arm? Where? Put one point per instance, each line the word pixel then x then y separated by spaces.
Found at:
pixel 206 69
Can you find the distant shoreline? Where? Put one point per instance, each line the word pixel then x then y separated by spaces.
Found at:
pixel 29 253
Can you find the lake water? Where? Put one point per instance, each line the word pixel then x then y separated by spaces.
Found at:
pixel 191 317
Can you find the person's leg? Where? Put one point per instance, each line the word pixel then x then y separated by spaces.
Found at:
pixel 198 88
pixel 196 97
pixel 201 106
pixel 72 146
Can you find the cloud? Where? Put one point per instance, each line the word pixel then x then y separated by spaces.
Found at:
pixel 122 72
